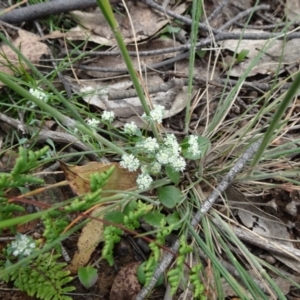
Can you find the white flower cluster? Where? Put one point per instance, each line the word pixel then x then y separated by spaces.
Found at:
pixel 129 162
pixel 157 155
pixel 160 155
pixel 169 154
pixel 193 145
pixel 156 115
pixel 23 245
pixel 149 145
pixel 131 129
pixel 40 94
pixel 108 116
pixel 93 122
pixel 144 180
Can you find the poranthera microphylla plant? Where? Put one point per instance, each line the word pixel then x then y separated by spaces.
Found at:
pixel 150 155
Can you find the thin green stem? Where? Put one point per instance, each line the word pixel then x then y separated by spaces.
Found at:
pixel 197 12
pixel 276 119
pixel 106 9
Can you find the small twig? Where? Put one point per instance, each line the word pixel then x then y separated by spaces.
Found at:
pixel 244 14
pixel 228 179
pixel 260 27
pixel 45 9
pixel 262 242
pixel 185 20
pixel 208 203
pixel 217 10
pixel 255 85
pixel 55 136
pixel 222 36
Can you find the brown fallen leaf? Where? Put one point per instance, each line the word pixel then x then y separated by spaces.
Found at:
pixel 146 22
pixel 91 235
pixel 78 177
pixel 126 285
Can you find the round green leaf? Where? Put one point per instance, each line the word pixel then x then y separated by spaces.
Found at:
pixel 114 216
pixel 154 218
pixel 169 196
pixel 172 174
pixel 87 276
pixel 174 218
pixel 131 206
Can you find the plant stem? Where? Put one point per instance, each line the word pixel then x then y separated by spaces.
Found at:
pixel 106 9
pixel 276 119
pixel 197 12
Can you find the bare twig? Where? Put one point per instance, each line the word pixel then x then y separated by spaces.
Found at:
pixel 262 242
pixel 45 9
pixel 244 14
pixel 185 20
pixel 55 136
pixel 208 203
pixel 220 37
pixel 217 10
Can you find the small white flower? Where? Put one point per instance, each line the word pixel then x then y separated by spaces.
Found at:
pixel 93 122
pixel 108 116
pixel 129 162
pixel 150 144
pixel 178 163
pixel 167 156
pixel 22 245
pixel 144 181
pixel 170 141
pixel 156 115
pixel 163 156
pixel 87 89
pixel 131 129
pixel 193 145
pixel 40 94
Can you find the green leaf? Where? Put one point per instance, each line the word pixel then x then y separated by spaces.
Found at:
pixel 170 29
pixel 203 144
pixel 153 218
pixel 172 174
pixel 131 206
pixel 241 56
pixel 201 53
pixel 87 276
pixel 114 216
pixel 169 196
pixel 174 218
